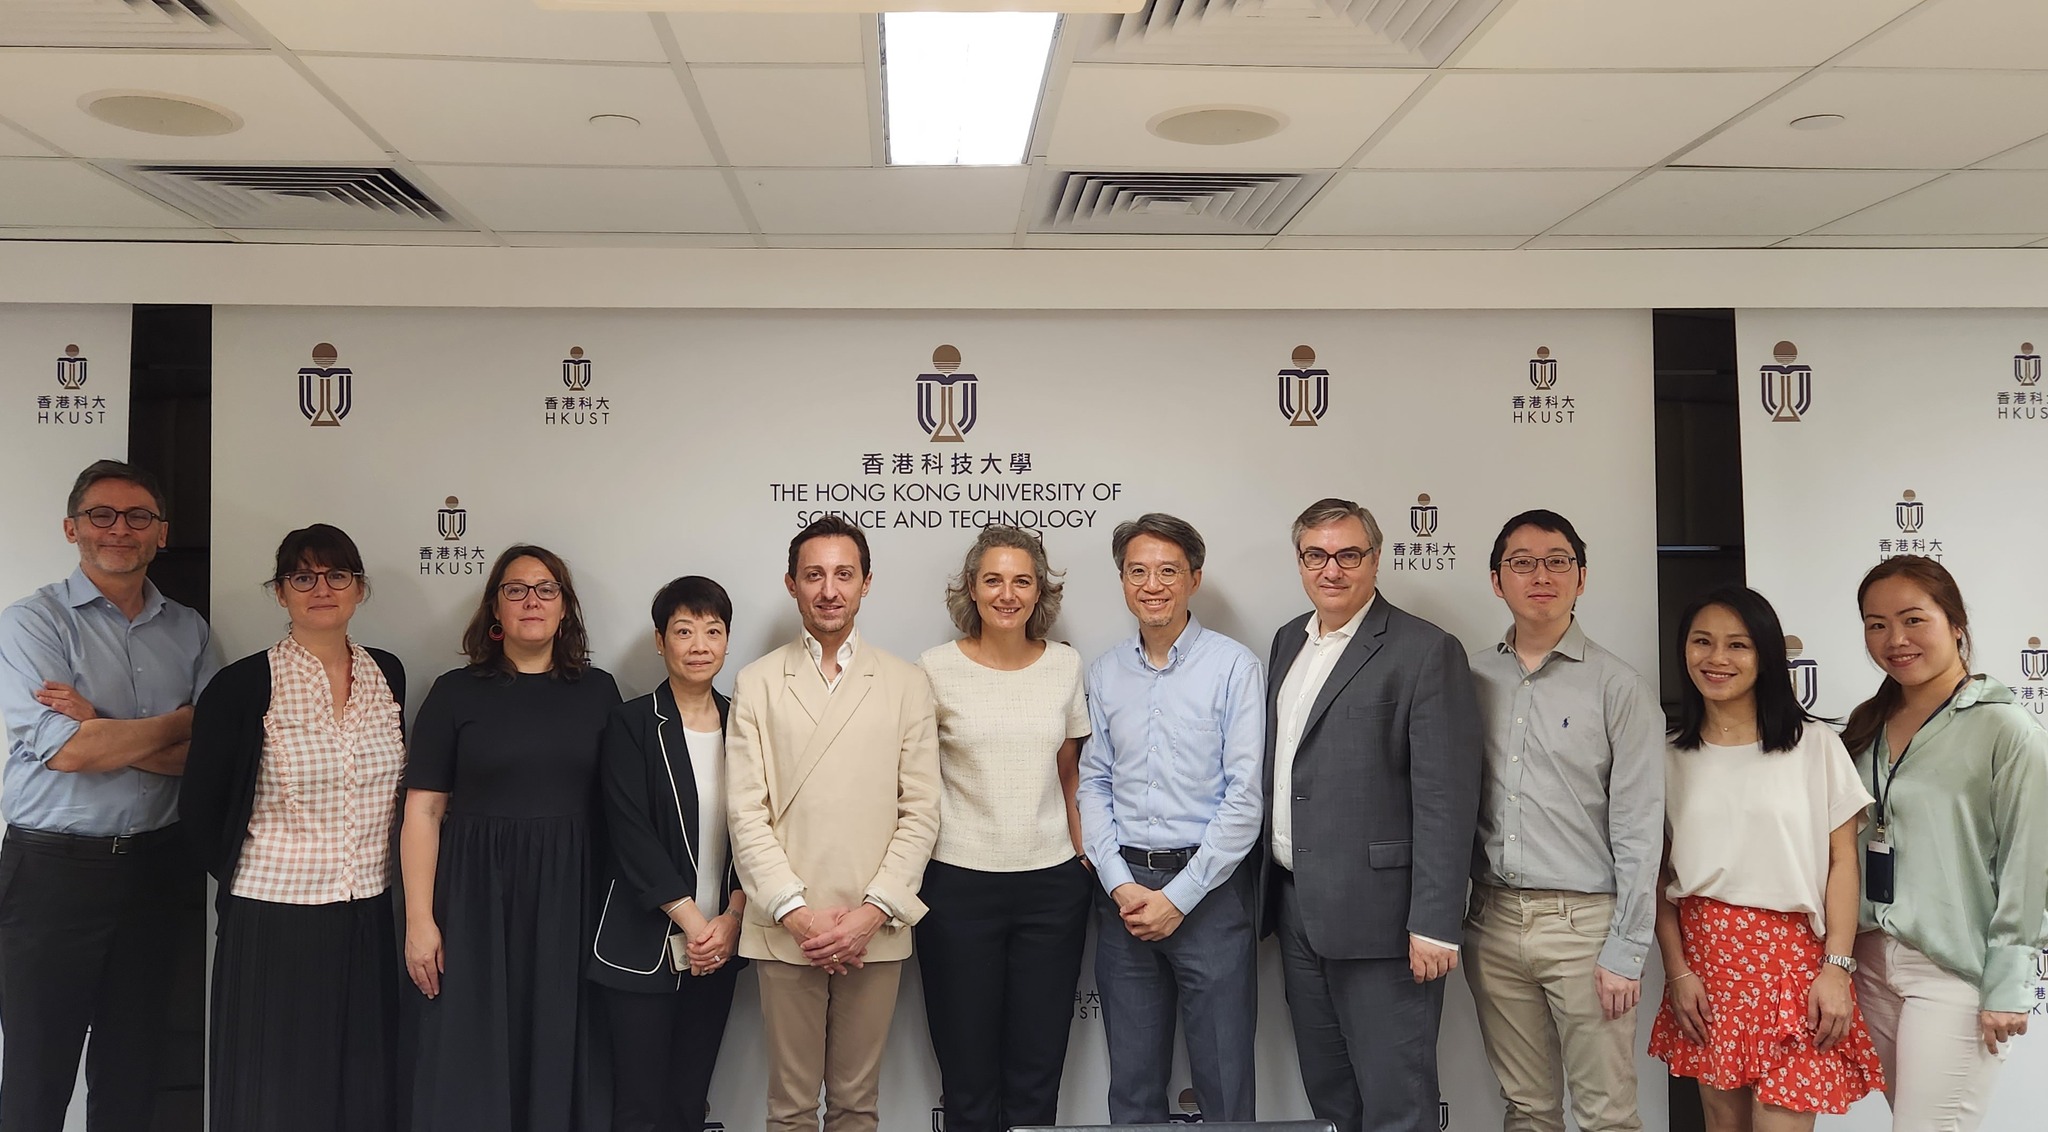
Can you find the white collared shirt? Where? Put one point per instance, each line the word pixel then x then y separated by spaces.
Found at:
pixel 816 651
pixel 1298 692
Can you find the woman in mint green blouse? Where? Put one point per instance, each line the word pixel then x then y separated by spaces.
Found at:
pixel 1955 858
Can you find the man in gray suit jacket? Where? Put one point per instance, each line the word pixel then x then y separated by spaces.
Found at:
pixel 1372 770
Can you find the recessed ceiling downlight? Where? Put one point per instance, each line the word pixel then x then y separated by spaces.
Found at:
pixel 1216 125
pixel 167 115
pixel 1816 122
pixel 614 122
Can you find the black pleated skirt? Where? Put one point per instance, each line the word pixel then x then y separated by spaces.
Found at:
pixel 305 1017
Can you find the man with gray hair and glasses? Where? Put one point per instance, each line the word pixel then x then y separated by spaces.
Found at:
pixel 1372 785
pixel 1170 804
pixel 98 674
pixel 1571 834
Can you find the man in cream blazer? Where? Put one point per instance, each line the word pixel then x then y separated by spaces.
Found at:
pixel 832 772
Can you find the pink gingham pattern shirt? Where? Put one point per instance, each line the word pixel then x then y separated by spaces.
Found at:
pixel 327 790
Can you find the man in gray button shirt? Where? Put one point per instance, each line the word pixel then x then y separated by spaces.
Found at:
pixel 1571 824
pixel 97 678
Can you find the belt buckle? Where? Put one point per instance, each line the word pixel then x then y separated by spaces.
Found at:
pixel 120 843
pixel 1153 855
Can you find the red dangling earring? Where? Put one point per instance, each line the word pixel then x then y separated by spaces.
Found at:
pixel 497 631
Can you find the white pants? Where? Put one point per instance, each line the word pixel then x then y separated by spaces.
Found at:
pixel 1923 1021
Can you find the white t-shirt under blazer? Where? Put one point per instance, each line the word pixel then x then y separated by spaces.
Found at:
pixel 1750 827
pixel 1001 809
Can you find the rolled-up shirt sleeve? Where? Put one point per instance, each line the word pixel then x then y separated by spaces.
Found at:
pixel 32 652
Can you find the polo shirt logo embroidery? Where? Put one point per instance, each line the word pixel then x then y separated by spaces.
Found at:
pixel 1304 390
pixel 326 391
pixel 577 408
pixel 947 401
pixel 1787 386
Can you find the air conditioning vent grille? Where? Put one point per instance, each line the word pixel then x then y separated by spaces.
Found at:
pixel 114 23
pixel 1176 204
pixel 1288 33
pixel 333 198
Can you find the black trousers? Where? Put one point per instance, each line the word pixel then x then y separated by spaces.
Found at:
pixel 82 947
pixel 1000 954
pixel 305 1017
pixel 664 1047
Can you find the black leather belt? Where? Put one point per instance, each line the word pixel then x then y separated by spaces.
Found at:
pixel 1164 860
pixel 74 845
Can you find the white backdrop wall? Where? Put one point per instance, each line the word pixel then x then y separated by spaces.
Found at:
pixel 709 438
pixel 1923 432
pixel 59 411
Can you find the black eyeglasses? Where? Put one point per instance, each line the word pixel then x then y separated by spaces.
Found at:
pixel 304 580
pixel 517 591
pixel 1527 563
pixel 1350 558
pixel 137 518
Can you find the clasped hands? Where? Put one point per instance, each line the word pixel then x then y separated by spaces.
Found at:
pixel 835 940
pixel 1147 912
pixel 709 942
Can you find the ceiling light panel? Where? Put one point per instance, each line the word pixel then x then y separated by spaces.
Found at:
pixel 284 118
pixel 497 29
pixel 963 89
pixel 447 110
pixel 1892 120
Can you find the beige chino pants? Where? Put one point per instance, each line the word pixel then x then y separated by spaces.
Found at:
pixel 825 1030
pixel 1529 959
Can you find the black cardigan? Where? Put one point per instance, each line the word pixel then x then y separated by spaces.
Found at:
pixel 219 789
pixel 650 812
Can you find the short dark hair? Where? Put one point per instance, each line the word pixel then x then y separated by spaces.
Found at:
pixel 1779 718
pixel 1159 525
pixel 112 470
pixel 572 641
pixel 1542 520
pixel 832 526
pixel 322 545
pixel 694 593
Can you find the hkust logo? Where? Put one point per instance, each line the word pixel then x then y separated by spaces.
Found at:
pixel 947 400
pixel 1544 406
pixel 577 407
pixel 70 407
pixel 326 391
pixel 1423 519
pixel 1787 387
pixel 2024 403
pixel 449 558
pixel 1304 390
pixel 1909 514
pixel 2033 694
pixel 1804 671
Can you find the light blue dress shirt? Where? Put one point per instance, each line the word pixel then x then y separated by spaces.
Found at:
pixel 69 632
pixel 1173 761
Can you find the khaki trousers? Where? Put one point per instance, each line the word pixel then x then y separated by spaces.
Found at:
pixel 1529 959
pixel 825 1030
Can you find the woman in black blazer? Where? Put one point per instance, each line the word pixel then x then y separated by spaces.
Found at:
pixel 664 951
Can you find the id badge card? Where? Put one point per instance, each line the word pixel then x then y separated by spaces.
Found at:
pixel 1877 871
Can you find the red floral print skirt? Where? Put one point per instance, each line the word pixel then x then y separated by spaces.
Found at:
pixel 1758 966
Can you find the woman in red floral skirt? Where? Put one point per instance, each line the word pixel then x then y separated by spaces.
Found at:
pixel 1757 920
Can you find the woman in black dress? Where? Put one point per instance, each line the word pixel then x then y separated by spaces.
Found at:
pixel 496 860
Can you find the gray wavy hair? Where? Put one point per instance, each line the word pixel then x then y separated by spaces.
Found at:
pixel 960 591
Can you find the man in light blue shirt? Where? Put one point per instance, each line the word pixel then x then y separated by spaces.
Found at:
pixel 97 678
pixel 1170 803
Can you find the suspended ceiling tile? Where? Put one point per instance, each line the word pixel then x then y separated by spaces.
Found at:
pixel 485 28
pixel 1891 120
pixel 1963 33
pixel 1972 202
pixel 1610 243
pixel 439 110
pixel 538 199
pixel 1397 243
pixel 1104 110
pixel 1737 202
pixel 1461 203
pixel 895 240
pixel 284 118
pixel 905 201
pixel 14 144
pixel 744 38
pixel 788 115
pixel 1968 241
pixel 356 236
pixel 627 240
pixel 1676 33
pixel 73 194
pixel 2032 155
pixel 42 232
pixel 1564 121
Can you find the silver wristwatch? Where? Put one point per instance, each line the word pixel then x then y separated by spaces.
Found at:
pixel 1845 962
